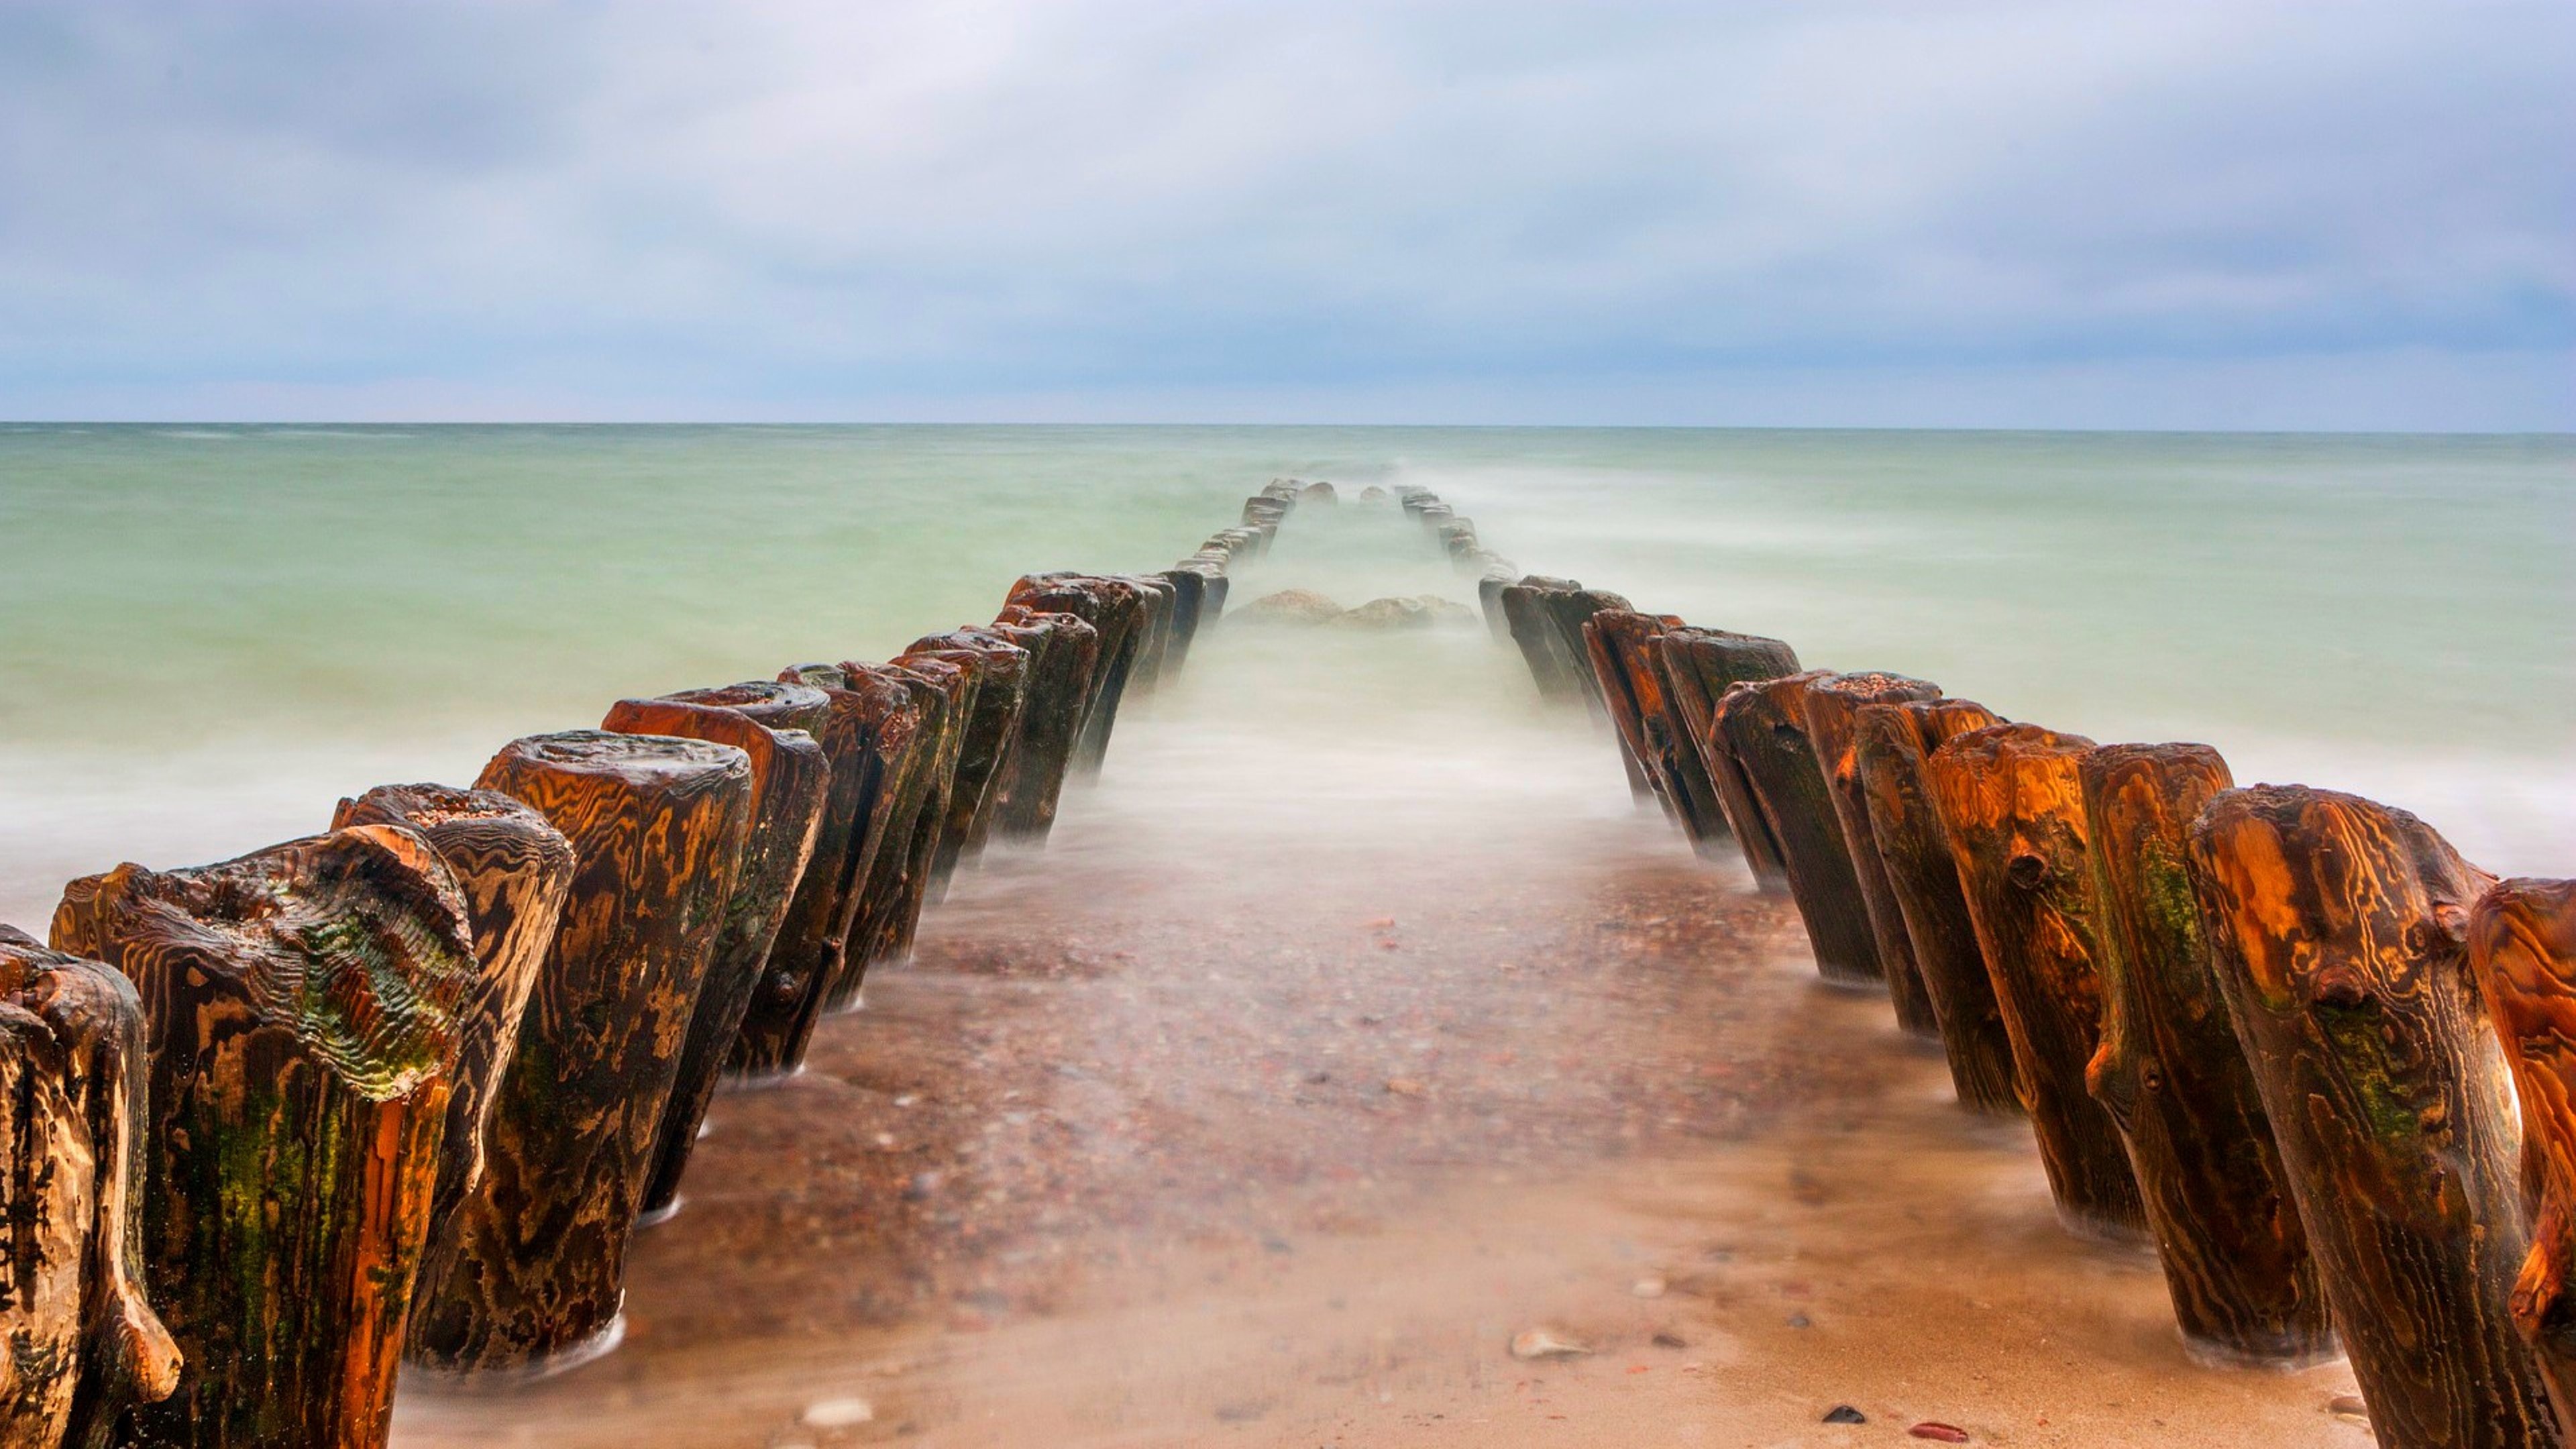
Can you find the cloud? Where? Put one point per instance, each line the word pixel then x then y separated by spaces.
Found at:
pixel 1141 209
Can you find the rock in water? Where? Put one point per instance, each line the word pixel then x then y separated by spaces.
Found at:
pixel 1290 606
pixel 1387 614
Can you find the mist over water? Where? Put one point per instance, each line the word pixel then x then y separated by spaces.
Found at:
pixel 212 632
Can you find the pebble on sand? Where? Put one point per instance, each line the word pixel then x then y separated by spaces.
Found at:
pixel 1939 1433
pixel 2349 1408
pixel 1531 1343
pixel 1648 1287
pixel 1845 1414
pixel 839 1413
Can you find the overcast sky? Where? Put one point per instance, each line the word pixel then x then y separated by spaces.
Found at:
pixel 2259 213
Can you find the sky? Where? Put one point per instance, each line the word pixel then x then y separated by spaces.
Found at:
pixel 2059 213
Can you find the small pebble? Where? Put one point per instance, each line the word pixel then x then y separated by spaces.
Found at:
pixel 1668 1340
pixel 1845 1414
pixel 1648 1287
pixel 1532 1343
pixel 1404 1086
pixel 2349 1408
pixel 1939 1432
pixel 1800 1320
pixel 839 1413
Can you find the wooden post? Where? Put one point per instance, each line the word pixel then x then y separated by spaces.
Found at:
pixel 1892 743
pixel 791 782
pixel 997 676
pixel 861 724
pixel 79 1343
pixel 514 870
pixel 943 694
pixel 1831 706
pixel 1627 653
pixel 2014 807
pixel 2336 925
pixel 1066 657
pixel 1116 610
pixel 2172 1075
pixel 538 1265
pixel 1567 611
pixel 1189 596
pixel 1156 634
pixel 1552 666
pixel 2522 951
pixel 1763 724
pixel 1700 665
pixel 300 1008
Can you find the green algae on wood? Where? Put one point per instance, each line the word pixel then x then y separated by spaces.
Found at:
pixel 2336 924
pixel 79 1342
pixel 301 1014
pixel 2173 1076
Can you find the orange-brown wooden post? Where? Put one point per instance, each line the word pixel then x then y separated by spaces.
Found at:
pixel 2522 947
pixel 1830 707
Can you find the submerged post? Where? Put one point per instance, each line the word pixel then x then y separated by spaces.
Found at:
pixel 1627 653
pixel 2337 926
pixel 1700 666
pixel 537 1270
pixel 79 1342
pixel 1064 653
pixel 301 1022
pixel 2014 808
pixel 2173 1076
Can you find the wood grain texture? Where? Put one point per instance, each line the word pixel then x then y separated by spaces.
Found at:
pixel 2013 806
pixel 79 1342
pixel 1064 655
pixel 1764 726
pixel 1626 651
pixel 997 672
pixel 658 824
pixel 301 1019
pixel 1159 608
pixel 2522 950
pixel 2173 1076
pixel 791 782
pixel 1830 706
pixel 906 748
pixel 1700 666
pixel 1892 745
pixel 2336 924
pixel 514 870
pixel 867 729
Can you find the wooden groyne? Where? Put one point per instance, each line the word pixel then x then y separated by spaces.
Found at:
pixel 405 1091
pixel 2278 1031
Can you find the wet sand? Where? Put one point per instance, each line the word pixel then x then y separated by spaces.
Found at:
pixel 1324 1051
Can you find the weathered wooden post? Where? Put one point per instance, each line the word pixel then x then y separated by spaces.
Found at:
pixel 2014 808
pixel 2175 1079
pixel 1700 665
pixel 1831 705
pixel 1627 648
pixel 791 782
pixel 1892 744
pixel 1553 667
pixel 883 742
pixel 1567 611
pixel 1115 609
pixel 300 1008
pixel 79 1342
pixel 860 725
pixel 1060 681
pixel 1603 664
pixel 514 870
pixel 944 694
pixel 997 675
pixel 2522 948
pixel 1189 597
pixel 537 1269
pixel 2337 927
pixel 1763 724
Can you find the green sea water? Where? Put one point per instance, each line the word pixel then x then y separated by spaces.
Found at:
pixel 205 632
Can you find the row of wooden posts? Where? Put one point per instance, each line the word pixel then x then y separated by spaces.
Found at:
pixel 404 1090
pixel 2324 1063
